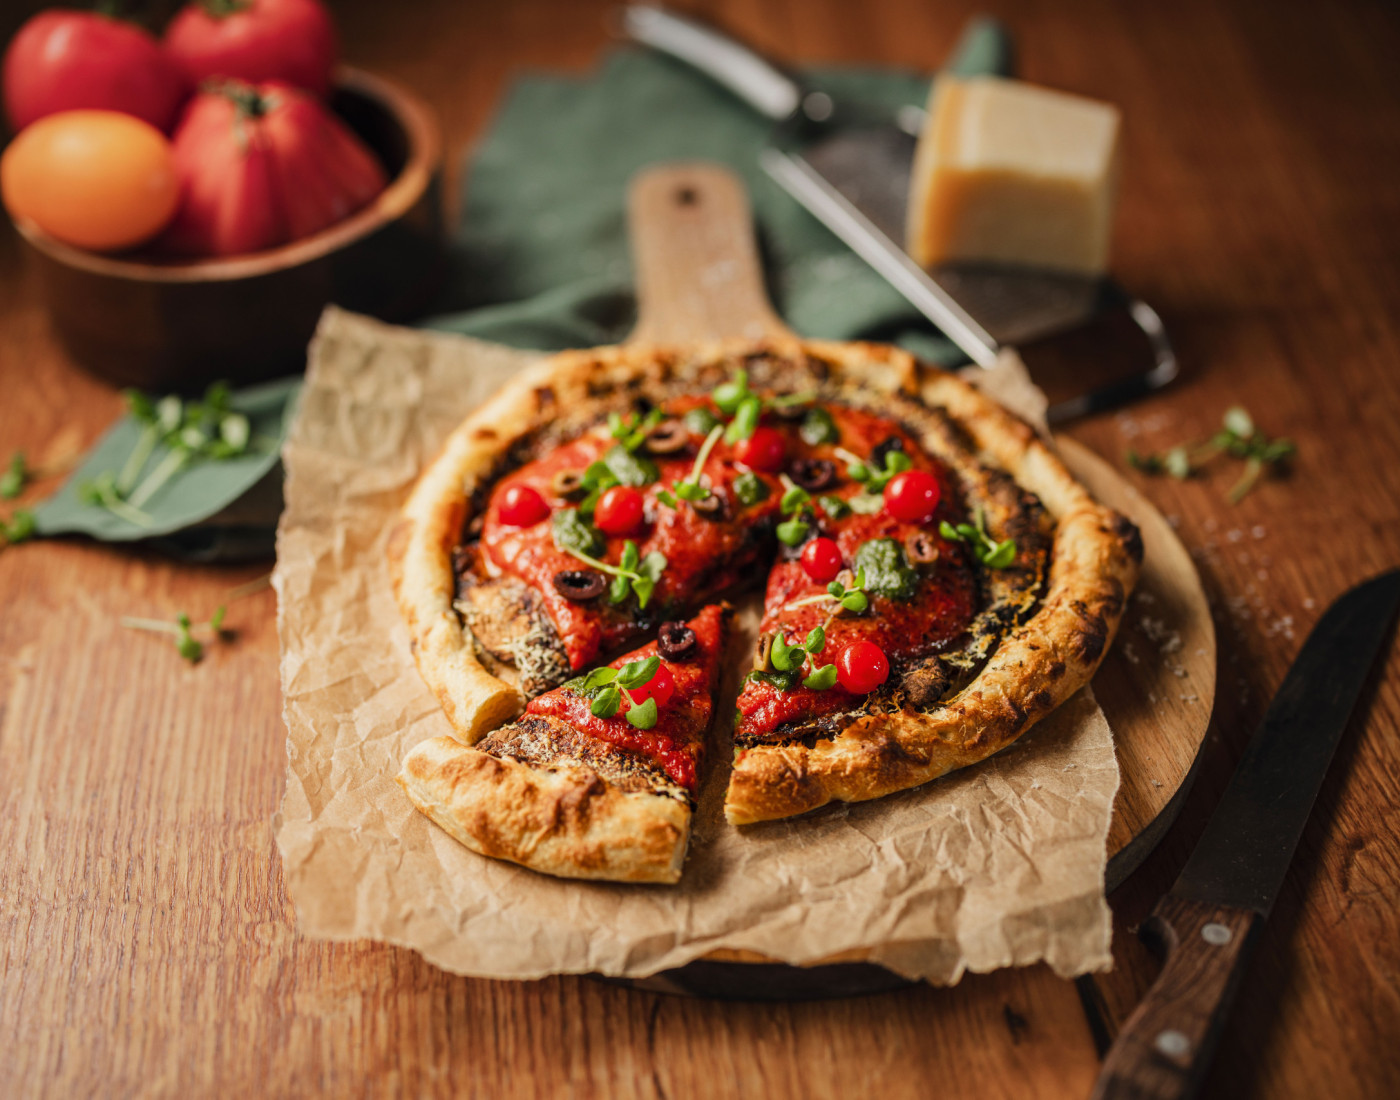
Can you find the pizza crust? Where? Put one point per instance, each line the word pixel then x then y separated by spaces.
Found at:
pixel 566 821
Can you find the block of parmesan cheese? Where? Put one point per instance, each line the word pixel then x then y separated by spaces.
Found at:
pixel 1008 172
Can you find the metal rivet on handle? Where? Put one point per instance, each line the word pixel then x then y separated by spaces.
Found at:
pixel 1173 1044
pixel 1217 935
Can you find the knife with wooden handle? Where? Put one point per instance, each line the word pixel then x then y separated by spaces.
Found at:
pixel 1209 921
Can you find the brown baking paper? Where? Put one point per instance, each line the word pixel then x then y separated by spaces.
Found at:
pixel 1001 864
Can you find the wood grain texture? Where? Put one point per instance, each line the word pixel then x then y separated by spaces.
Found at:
pixel 148 947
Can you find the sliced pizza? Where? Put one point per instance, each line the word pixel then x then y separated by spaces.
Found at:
pixel 935 579
pixel 597 779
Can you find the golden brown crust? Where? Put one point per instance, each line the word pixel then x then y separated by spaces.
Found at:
pixel 565 820
pixel 1038 665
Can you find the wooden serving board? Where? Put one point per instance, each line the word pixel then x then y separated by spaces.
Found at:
pixel 698 280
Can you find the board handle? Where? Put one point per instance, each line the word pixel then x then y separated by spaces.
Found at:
pixel 697 269
pixel 1164 1049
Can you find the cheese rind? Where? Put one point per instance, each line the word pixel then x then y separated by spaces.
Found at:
pixel 1007 172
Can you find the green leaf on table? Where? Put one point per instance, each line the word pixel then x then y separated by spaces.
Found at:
pixel 200 490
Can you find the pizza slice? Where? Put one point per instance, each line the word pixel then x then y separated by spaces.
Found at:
pixel 598 778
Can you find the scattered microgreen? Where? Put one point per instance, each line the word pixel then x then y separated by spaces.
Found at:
pixel 789 663
pixel 1237 438
pixel 634 574
pixel 186 644
pixel 992 554
pixel 690 488
pixel 750 488
pixel 18 528
pixel 886 569
pixel 797 504
pixel 607 687
pixel 15 476
pixel 728 396
pixel 818 427
pixel 873 481
pixel 700 420
pixel 853 598
pixel 834 507
pixel 631 431
pixel 745 419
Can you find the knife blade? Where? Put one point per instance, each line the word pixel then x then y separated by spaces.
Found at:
pixel 1210 919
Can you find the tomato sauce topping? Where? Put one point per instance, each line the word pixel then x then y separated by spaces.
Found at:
pixel 677 741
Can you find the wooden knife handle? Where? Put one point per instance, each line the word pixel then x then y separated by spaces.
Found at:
pixel 1164 1049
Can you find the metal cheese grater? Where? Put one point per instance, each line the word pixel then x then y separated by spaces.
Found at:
pixel 1088 343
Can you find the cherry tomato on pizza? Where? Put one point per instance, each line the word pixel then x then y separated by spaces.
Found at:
pixel 620 511
pixel 764 450
pixel 913 496
pixel 862 667
pixel 661 687
pixel 522 506
pixel 821 560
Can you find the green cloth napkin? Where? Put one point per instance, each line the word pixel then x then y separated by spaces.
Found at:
pixel 541 257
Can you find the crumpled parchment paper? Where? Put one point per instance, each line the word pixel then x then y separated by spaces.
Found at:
pixel 1001 864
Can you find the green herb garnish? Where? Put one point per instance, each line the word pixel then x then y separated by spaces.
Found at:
pixel 1238 438
pixel 15 477
pixel 631 431
pixel 834 507
pixel 789 662
pixel 992 554
pixel 18 528
pixel 607 687
pixel 818 427
pixel 574 534
pixel 633 574
pixel 690 488
pixel 630 469
pixel 873 481
pixel 188 646
pixel 750 488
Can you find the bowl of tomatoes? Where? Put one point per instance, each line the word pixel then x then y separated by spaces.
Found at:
pixel 190 205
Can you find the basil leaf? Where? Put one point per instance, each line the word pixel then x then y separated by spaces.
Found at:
pixel 821 679
pixel 636 673
pixel 199 491
pixel 750 488
pixel 834 507
pixel 887 571
pixel 792 532
pixel 701 421
pixel 606 703
pixel 643 715
pixel 572 532
pixel 630 469
pixel 818 427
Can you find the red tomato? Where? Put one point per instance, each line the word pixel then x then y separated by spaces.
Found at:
pixel 764 450
pixel 74 60
pixel 821 560
pixel 862 667
pixel 913 496
pixel 522 506
pixel 660 687
pixel 95 179
pixel 619 511
pixel 255 40
pixel 261 166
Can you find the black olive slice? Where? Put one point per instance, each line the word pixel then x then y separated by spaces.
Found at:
pixel 675 641
pixel 668 437
pixel 713 507
pixel 884 447
pixel 567 483
pixel 580 585
pixel 813 474
pixel 922 548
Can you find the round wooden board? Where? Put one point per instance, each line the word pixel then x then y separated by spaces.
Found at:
pixel 698 278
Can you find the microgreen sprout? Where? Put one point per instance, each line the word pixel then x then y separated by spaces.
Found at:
pixel 634 573
pixel 632 431
pixel 1237 437
pixel 992 554
pixel 797 504
pixel 608 687
pixel 691 489
pixel 873 481
pixel 18 528
pixel 15 476
pixel 841 597
pixel 186 644
pixel 797 663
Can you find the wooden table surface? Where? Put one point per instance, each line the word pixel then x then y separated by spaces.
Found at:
pixel 148 943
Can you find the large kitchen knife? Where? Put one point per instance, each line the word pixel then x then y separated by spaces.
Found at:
pixel 850 166
pixel 1209 920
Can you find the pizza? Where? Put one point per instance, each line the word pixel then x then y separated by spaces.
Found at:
pixel 934 582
